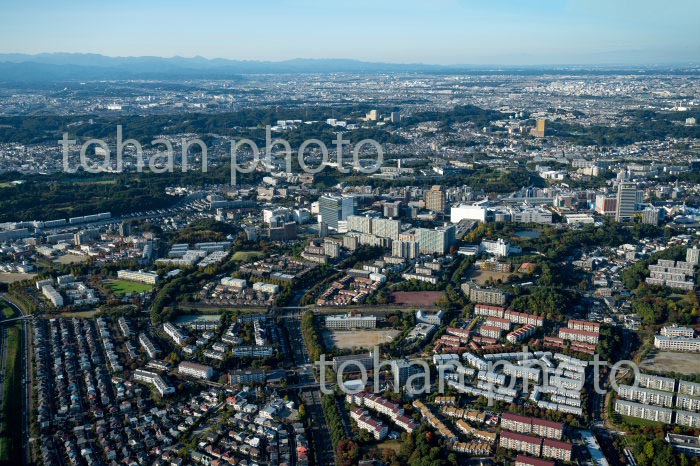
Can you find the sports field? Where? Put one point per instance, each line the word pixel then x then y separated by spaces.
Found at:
pixel 246 256
pixel 125 286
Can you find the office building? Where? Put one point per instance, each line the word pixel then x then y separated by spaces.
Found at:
pixel 626 202
pixel 333 209
pixel 246 376
pixel 436 241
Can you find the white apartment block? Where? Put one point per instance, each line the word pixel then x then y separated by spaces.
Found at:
pixel 192 369
pixel 148 346
pixel 646 396
pixel 642 411
pixel 674 331
pixel 688 419
pixel 655 382
pixel 154 379
pixel 682 344
pixel 688 403
pixel 689 388
pixel 52 295
pixel 173 332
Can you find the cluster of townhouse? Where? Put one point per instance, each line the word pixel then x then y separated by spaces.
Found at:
pixel 236 292
pixel 353 288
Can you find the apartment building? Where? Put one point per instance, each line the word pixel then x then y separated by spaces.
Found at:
pixel 688 419
pixel 656 382
pixel 642 411
pixel 522 460
pixel 154 379
pixel 52 295
pixel 681 344
pixel 556 449
pixel 521 442
pixel 488 311
pixel 547 429
pixel 477 294
pixel 175 333
pixel 499 322
pixel 579 335
pixel 523 318
pixel 366 422
pixel 151 349
pixel 584 325
pixel 688 403
pixel 193 369
pixel 646 395
pixel 521 333
pixel 689 388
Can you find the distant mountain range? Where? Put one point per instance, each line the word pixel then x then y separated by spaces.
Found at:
pixel 48 67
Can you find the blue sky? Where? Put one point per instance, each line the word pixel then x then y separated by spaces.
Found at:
pixel 408 31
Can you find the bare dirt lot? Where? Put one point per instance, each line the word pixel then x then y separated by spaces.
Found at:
pixel 11 277
pixel 350 339
pixel 482 276
pixel 71 259
pixel 417 298
pixel 665 361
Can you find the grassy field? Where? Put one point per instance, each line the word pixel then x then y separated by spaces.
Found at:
pixel 124 287
pixel 5 185
pixel 12 392
pixel 246 256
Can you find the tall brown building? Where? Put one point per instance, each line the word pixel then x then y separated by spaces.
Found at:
pixel 435 199
pixel 539 131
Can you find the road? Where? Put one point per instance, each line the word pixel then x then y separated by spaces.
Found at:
pixel 27 382
pixel 310 394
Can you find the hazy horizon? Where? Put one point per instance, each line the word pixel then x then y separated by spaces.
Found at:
pixel 446 32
